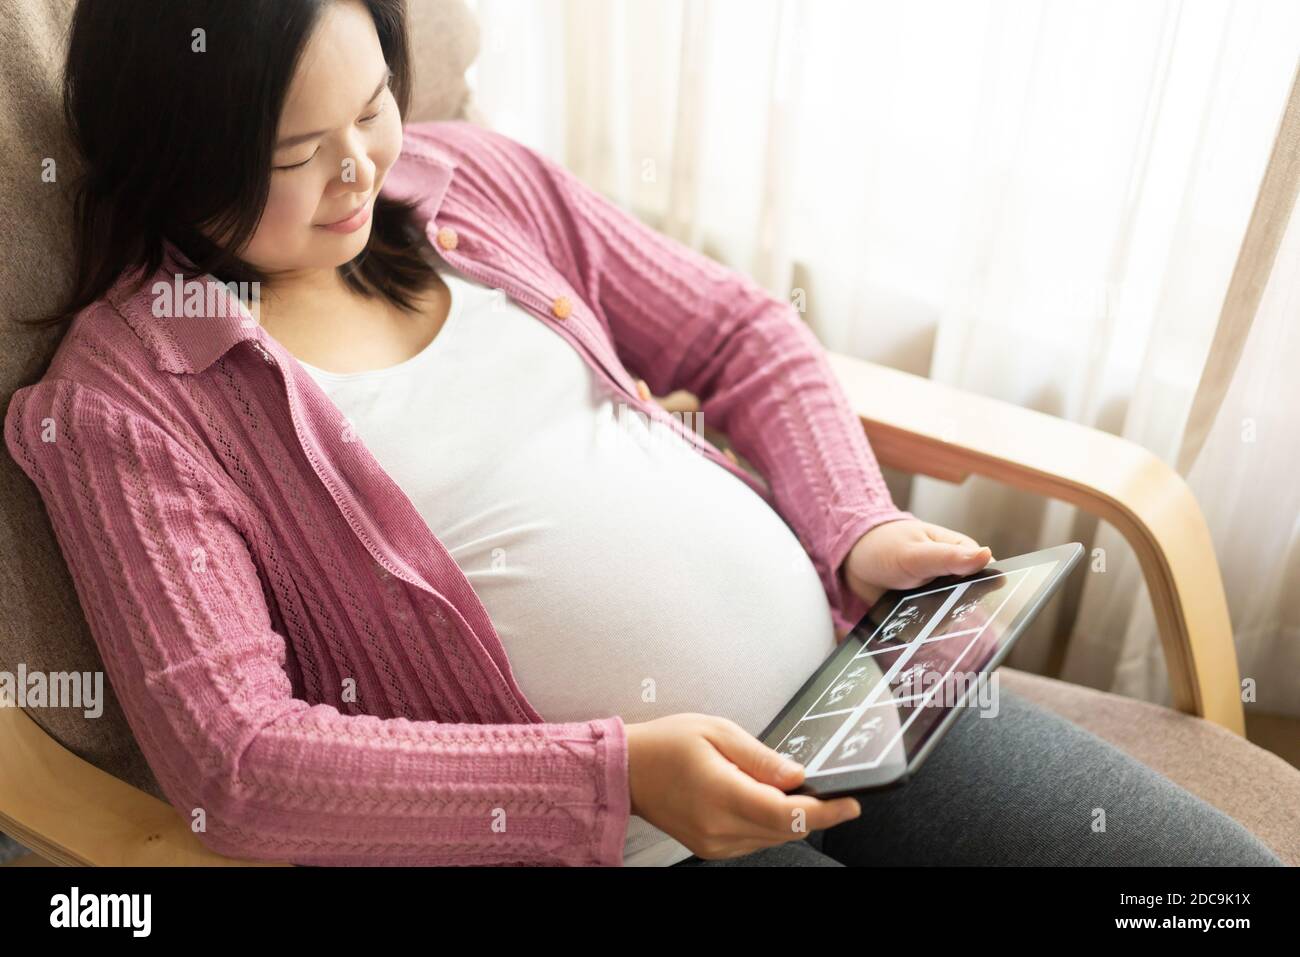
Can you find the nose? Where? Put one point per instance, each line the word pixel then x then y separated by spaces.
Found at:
pixel 357 170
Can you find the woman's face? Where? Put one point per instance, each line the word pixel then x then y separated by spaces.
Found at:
pixel 338 135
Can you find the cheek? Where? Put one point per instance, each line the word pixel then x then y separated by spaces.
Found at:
pixel 288 206
pixel 280 233
pixel 387 143
pixel 287 216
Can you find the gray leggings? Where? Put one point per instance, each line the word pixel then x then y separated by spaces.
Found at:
pixel 1021 788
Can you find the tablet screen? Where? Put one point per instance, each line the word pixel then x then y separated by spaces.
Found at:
pixel 909 663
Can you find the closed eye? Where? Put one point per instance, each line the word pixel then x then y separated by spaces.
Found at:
pixel 373 116
pixel 302 164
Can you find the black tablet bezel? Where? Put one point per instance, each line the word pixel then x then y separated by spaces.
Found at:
pixel 1067 556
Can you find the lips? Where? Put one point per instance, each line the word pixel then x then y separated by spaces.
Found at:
pixel 355 215
pixel 345 218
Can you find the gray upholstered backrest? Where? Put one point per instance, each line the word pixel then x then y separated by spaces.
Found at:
pixel 41 625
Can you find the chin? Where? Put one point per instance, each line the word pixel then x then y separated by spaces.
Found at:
pixel 343 249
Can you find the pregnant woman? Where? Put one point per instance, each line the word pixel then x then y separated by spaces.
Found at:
pixel 391 556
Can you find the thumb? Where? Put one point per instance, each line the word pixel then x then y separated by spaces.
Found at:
pixel 964 559
pixel 756 759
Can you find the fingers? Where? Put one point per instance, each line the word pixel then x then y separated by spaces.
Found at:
pixel 964 562
pixel 948 537
pixel 755 758
pixel 759 799
pixel 961 554
pixel 790 815
pixel 928 560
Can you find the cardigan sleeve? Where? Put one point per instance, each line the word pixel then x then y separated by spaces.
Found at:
pixel 685 321
pixel 174 603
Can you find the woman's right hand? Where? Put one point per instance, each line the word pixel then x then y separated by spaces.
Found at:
pixel 717 789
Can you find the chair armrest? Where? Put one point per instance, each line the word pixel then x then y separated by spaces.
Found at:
pixel 929 428
pixel 72 813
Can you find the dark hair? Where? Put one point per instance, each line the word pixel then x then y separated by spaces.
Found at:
pixel 171 139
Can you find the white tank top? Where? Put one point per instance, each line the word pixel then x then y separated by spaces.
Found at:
pixel 624 572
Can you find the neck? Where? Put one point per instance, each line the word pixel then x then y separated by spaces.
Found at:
pixel 290 295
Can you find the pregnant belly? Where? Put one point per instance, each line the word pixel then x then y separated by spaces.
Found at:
pixel 643 586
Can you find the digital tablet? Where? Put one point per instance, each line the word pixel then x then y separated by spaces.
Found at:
pixel 880 703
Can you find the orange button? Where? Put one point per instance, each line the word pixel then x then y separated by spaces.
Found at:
pixel 447 238
pixel 643 390
pixel 562 307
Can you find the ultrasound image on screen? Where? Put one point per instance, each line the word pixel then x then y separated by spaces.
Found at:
pixel 885 699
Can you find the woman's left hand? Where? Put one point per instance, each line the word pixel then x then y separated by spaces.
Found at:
pixel 907 553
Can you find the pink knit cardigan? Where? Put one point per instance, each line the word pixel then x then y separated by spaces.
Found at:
pixel 298 656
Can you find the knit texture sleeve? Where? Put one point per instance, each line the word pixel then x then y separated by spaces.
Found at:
pixel 174 602
pixel 684 321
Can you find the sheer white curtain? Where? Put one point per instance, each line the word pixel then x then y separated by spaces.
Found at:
pixel 1038 201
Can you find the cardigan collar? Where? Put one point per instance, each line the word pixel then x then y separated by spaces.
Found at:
pixel 187 326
